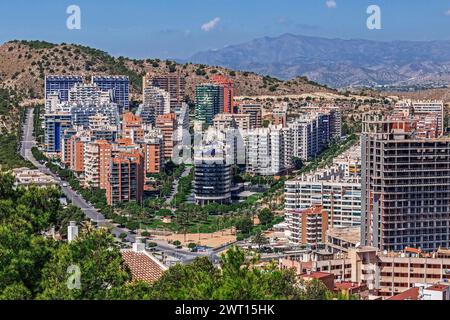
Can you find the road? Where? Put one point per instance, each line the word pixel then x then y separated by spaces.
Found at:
pixel 28 142
pixel 185 173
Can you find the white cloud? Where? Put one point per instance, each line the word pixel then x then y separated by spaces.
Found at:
pixel 331 4
pixel 447 13
pixel 208 26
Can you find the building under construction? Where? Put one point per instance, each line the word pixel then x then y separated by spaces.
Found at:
pixel 405 182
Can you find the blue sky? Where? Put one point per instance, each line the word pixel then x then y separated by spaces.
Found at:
pixel 173 28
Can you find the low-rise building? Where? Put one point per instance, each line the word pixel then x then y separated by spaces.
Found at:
pixel 27 177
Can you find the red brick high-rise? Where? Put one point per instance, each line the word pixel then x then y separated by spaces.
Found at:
pixel 228 92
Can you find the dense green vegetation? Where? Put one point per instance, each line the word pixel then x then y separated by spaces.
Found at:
pixel 8 99
pixel 38 131
pixel 35 44
pixel 184 189
pixel 9 142
pixel 9 157
pixel 34 266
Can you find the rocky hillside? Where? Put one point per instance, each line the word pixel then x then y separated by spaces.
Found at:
pixel 24 64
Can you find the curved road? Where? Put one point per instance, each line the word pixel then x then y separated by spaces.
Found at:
pixel 28 142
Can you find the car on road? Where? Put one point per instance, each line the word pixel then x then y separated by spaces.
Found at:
pixel 65 185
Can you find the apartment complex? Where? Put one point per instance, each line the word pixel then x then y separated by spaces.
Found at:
pixel 385 274
pixel 156 103
pixel 255 112
pixel 309 226
pixel 337 189
pixel 265 151
pixel 223 121
pixel 167 124
pixel 60 86
pixel 126 179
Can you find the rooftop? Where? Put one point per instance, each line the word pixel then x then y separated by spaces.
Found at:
pixel 410 294
pixel 143 266
pixel 438 287
pixel 351 234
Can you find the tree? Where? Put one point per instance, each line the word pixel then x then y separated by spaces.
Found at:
pixel 244 224
pixel 315 290
pixel 297 163
pixel 100 264
pixel 177 243
pixel 192 245
pixel 259 239
pixel 266 216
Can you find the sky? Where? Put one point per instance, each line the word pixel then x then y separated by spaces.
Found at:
pixel 180 28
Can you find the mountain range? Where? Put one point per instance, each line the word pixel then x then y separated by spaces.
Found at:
pixel 338 63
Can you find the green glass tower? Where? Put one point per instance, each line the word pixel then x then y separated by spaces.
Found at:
pixel 209 102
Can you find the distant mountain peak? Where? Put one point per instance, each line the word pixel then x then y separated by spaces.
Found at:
pixel 337 62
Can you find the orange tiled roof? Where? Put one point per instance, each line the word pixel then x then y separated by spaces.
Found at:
pixel 410 294
pixel 143 266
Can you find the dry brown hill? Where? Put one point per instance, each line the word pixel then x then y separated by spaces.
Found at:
pixel 24 64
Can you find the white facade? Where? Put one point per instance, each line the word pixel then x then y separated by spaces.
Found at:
pixel 265 151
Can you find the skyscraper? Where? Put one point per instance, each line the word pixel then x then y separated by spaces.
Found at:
pixel 209 102
pixel 167 124
pixel 228 92
pixel 156 103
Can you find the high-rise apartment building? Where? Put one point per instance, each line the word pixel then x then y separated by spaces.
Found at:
pixel 223 121
pixel 126 178
pixel 341 199
pixel 209 102
pixel 405 185
pixel 85 93
pixel 167 124
pixel 255 112
pixel 212 178
pixel 171 83
pixel 55 125
pixel 265 151
pixel 156 103
pixel 153 154
pixel 132 127
pixel 82 114
pixel 228 92
pixel 119 86
pixel 60 86
pixel 309 226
